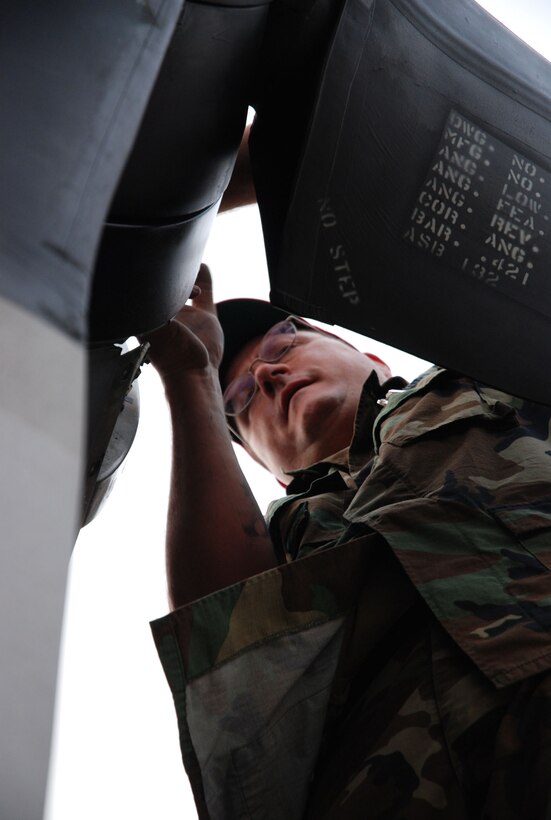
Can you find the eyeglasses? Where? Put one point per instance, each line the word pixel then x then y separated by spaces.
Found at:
pixel 274 345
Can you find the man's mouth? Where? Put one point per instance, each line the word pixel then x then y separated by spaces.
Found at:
pixel 289 391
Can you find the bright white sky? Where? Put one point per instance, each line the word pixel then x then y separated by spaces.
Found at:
pixel 116 750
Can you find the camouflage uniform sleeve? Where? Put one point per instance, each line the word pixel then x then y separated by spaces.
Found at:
pixel 251 669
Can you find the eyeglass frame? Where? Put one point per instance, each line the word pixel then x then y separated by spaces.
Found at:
pixel 294 321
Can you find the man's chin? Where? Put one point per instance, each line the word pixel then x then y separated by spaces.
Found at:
pixel 325 428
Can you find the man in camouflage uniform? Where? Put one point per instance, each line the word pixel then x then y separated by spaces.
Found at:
pixel 382 651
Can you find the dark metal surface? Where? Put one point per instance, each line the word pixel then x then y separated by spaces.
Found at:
pixel 74 83
pixel 119 444
pixel 112 371
pixel 183 156
pixel 421 215
pixel 144 274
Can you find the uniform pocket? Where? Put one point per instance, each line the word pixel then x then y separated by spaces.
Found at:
pixel 530 525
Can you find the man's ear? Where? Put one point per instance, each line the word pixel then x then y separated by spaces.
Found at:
pixel 381 367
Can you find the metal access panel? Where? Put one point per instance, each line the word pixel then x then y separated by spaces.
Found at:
pixel 74 84
pixel 421 211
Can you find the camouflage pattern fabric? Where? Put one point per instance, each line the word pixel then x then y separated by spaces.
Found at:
pixel 306 691
pixel 252 670
pixel 467 472
pixel 427 737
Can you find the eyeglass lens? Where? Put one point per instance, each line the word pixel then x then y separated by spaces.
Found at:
pixel 240 391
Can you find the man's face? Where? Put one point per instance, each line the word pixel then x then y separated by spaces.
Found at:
pixel 305 404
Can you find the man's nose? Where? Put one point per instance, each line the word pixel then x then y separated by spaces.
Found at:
pixel 269 376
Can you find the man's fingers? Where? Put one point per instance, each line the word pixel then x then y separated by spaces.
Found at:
pixel 203 299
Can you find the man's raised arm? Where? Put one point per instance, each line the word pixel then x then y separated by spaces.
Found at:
pixel 216 534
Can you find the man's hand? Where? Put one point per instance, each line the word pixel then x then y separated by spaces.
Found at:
pixel 193 340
